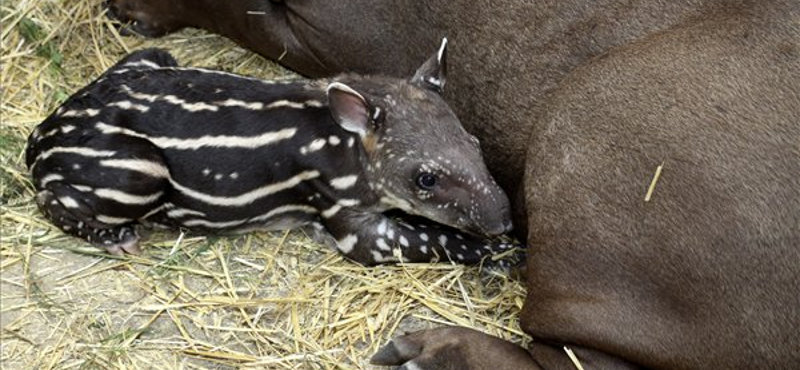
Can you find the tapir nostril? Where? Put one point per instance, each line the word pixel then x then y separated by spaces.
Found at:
pixel 499 228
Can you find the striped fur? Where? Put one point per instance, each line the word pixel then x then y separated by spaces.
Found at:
pixel 151 142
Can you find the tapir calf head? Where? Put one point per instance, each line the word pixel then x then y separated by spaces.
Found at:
pixel 419 158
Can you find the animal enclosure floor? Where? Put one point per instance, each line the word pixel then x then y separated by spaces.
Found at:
pixel 260 300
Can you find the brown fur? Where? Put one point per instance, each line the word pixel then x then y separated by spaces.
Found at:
pixel 585 99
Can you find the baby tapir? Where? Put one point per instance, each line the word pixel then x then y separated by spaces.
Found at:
pixel 150 142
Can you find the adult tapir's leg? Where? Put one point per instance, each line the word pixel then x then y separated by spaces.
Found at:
pixel 455 348
pixel 261 25
pixel 315 38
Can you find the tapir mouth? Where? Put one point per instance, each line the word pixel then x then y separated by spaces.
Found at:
pixel 502 225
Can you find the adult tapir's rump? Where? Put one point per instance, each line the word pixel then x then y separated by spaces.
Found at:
pixel 705 275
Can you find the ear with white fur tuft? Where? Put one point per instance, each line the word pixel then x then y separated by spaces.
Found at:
pixel 432 73
pixel 349 108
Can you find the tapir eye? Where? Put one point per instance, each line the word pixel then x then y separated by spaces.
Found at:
pixel 426 181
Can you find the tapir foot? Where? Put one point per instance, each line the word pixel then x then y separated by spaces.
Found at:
pixel 148 18
pixel 75 218
pixel 453 348
pixel 120 241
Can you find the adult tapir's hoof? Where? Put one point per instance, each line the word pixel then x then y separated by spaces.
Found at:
pixel 150 18
pixel 452 348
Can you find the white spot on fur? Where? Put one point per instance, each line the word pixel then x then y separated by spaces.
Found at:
pixel 346 244
pixel 314 146
pixel 81 113
pixel 127 105
pixel 381 244
pixel 423 236
pixel 442 240
pixel 377 256
pixel 344 182
pixel 334 140
pixel 403 241
pixel 68 202
pixel 382 227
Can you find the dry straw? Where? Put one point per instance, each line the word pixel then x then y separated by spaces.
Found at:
pixel 260 301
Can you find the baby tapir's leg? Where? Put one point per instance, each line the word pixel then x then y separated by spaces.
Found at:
pixel 98 194
pixel 371 238
pixel 67 208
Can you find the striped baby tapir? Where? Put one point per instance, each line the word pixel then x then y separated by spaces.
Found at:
pixel 152 143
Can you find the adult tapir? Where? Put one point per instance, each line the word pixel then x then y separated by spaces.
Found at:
pixel 577 103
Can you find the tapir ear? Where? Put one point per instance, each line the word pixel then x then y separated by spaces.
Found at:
pixel 432 73
pixel 349 109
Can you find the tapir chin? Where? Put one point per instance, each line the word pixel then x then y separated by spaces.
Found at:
pixel 578 104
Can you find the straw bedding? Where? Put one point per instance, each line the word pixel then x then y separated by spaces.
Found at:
pixel 190 301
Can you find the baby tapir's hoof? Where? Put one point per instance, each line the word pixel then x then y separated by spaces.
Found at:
pixel 74 218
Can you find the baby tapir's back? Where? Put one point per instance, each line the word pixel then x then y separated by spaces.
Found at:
pixel 152 142
pixel 222 144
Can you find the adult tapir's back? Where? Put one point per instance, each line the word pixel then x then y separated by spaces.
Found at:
pixel 511 53
pixel 705 274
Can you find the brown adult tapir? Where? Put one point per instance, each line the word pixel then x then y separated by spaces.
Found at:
pixel 576 104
